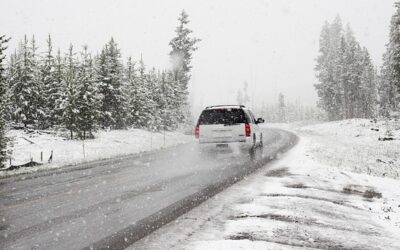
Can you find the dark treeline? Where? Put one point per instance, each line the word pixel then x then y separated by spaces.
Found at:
pixel 349 85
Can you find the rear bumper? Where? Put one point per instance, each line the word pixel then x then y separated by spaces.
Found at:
pixel 216 140
pixel 226 145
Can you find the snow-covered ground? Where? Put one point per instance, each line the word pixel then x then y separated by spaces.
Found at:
pixel 357 145
pixel 27 146
pixel 330 191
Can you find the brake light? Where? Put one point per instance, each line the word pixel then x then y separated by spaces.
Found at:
pixel 197 131
pixel 247 128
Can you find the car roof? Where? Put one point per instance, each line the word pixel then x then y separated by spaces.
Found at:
pixel 226 107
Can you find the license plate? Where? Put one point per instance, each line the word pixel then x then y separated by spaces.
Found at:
pixel 222 134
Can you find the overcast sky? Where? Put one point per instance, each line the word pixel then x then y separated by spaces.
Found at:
pixel 271 44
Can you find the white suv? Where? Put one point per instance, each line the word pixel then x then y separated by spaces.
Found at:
pixel 228 126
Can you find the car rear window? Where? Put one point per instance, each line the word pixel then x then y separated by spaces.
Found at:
pixel 222 116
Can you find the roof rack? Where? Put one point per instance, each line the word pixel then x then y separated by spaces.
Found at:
pixel 215 106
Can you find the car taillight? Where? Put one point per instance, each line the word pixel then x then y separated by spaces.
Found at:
pixel 248 130
pixel 197 131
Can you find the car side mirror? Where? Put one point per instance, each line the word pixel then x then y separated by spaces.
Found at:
pixel 260 120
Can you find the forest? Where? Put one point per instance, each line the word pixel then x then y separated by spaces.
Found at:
pixel 81 92
pixel 350 86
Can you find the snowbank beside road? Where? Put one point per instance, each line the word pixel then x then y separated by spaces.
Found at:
pixel 357 145
pixel 27 146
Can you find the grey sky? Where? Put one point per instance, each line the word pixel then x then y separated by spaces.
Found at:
pixel 271 44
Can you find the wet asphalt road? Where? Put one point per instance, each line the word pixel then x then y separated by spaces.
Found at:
pixel 112 203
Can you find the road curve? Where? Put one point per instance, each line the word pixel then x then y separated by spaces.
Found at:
pixel 112 203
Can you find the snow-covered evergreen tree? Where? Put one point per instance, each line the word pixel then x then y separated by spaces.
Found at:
pixel 132 90
pixel 353 66
pixel 343 87
pixel 51 90
pixel 389 84
pixel 85 100
pixel 368 89
pixel 3 88
pixel 345 73
pixel 58 92
pixel 183 46
pixel 329 88
pixel 144 96
pixel 167 99
pixel 386 89
pixel 166 102
pixel 144 99
pixel 69 100
pixel 25 87
pixel 38 93
pixel 11 77
pixel 109 71
pixel 46 101
pixel 154 85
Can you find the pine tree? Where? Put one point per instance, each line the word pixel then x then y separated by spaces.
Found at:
pixel 102 78
pixel 343 90
pixel 328 71
pixel 11 77
pixel 85 100
pixel 50 87
pixel 386 90
pixel 111 87
pixel 118 86
pixel 145 103
pixel 3 140
pixel 165 101
pixel 345 73
pixel 69 101
pixel 158 102
pixel 26 89
pixel 368 89
pixel 354 68
pixel 170 114
pixel 389 84
pixel 183 47
pixel 57 94
pixel 130 80
pixel 143 94
pixel 37 90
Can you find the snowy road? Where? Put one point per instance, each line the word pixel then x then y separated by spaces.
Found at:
pixel 115 202
pixel 297 202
